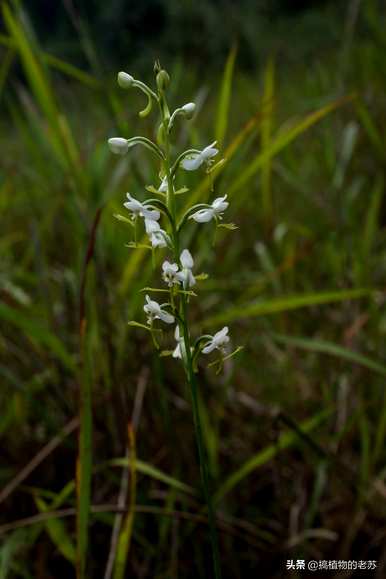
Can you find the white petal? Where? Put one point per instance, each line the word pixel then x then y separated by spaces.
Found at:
pixel 219 336
pixel 186 259
pixel 157 238
pixel 177 352
pixel 209 348
pixel 169 267
pixel 210 151
pixel 165 317
pixel 151 226
pixel 192 163
pixel 118 145
pixel 151 214
pixel 191 278
pixel 151 307
pixel 164 185
pixel 203 215
pixel 220 204
pixel 177 333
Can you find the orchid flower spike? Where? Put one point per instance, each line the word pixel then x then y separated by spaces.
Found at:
pixel 194 160
pixel 141 209
pixel 155 311
pixel 185 275
pixel 118 145
pixel 169 273
pixel 215 210
pixel 217 342
pixel 156 235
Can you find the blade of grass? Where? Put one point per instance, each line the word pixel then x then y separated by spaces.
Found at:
pixel 323 347
pixel 286 440
pixel 35 76
pixel 282 140
pixel 59 132
pixel 127 526
pixel 371 225
pixel 84 459
pixel 57 63
pixel 266 131
pixel 153 472
pixel 38 334
pixel 283 304
pixel 223 105
pixel 57 532
pixel 368 123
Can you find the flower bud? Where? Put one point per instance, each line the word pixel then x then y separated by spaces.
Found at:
pixel 118 145
pixel 125 80
pixel 189 109
pixel 163 80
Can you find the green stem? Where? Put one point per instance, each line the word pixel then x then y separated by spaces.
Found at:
pixel 204 471
pixel 188 362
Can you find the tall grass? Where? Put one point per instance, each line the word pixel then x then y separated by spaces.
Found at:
pixel 304 289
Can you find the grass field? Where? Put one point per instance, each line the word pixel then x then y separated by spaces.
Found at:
pixel 295 426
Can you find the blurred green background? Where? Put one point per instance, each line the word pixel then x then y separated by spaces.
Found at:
pixel 295 427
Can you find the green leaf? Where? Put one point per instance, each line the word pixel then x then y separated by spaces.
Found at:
pixel 283 304
pixel 266 131
pixel 324 347
pixel 230 226
pixel 135 324
pixel 225 97
pixel 57 533
pixel 149 470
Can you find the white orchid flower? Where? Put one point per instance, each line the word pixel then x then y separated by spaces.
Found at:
pixel 214 211
pixel 217 342
pixel 118 145
pixel 163 186
pixel 185 275
pixel 169 273
pixel 156 235
pixel 180 348
pixel 195 160
pixel 141 209
pixel 155 311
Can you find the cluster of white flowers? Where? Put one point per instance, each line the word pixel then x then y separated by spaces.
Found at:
pixel 172 275
pixel 177 274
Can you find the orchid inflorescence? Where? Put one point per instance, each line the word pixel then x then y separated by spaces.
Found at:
pixel 165 228
pixel 177 272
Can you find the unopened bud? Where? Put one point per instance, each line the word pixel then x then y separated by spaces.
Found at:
pixel 163 80
pixel 118 145
pixel 125 80
pixel 189 109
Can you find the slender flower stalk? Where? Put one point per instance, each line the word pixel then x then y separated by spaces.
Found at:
pixel 177 271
